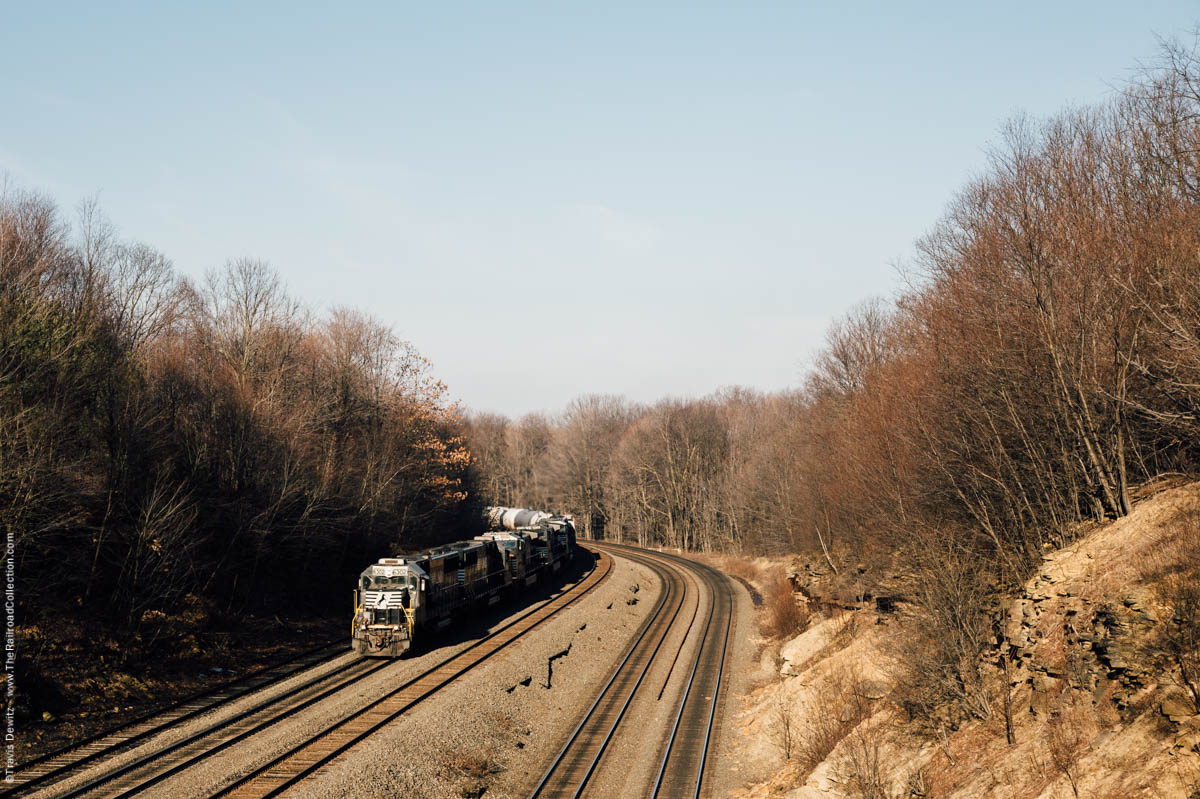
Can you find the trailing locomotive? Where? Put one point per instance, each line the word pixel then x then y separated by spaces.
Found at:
pixel 407 599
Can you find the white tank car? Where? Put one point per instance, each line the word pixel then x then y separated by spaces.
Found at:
pixel 514 518
pixel 552 535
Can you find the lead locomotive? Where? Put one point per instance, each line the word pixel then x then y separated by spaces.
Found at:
pixel 407 599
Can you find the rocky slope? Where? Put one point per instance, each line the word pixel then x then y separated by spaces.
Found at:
pixel 1085 665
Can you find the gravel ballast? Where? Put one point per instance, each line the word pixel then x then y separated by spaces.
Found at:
pixel 491 731
pixel 494 731
pixel 193 726
pixel 432 745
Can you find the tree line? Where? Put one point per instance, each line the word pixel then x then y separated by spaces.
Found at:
pixel 170 446
pixel 1042 363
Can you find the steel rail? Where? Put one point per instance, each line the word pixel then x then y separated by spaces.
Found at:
pixel 670 586
pixel 712 710
pixel 720 595
pixel 88 787
pixel 226 743
pixel 633 691
pixel 572 595
pixel 682 704
pixel 722 600
pixel 140 735
pixel 682 641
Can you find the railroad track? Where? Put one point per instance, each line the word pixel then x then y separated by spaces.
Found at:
pixel 684 761
pixel 61 763
pixel 570 772
pixel 315 754
pixel 683 757
pixel 145 771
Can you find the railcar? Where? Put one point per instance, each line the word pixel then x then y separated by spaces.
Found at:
pixel 552 535
pixel 408 599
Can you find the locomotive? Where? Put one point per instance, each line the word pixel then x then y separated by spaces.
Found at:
pixel 405 600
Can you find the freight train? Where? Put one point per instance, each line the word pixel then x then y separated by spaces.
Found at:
pixel 403 601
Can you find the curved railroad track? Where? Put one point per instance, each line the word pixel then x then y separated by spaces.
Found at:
pixel 571 770
pixel 145 771
pixel 308 758
pixel 683 756
pixel 61 763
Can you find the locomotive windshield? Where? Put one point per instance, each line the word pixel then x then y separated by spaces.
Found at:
pixel 379 582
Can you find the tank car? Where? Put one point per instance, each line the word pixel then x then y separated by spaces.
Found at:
pixel 552 535
pixel 499 518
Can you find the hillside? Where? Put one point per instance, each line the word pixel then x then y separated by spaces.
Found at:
pixel 1098 654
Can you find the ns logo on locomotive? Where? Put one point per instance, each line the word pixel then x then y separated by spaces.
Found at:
pixel 400 600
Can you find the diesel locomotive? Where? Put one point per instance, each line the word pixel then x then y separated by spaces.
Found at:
pixel 407 599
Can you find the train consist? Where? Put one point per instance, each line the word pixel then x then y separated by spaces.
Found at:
pixel 407 599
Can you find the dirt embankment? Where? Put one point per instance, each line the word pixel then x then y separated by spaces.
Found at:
pixel 1090 667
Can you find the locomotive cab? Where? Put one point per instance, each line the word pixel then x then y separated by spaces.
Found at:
pixel 389 607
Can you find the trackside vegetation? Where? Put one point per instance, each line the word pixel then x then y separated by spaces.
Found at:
pixel 1040 368
pixel 177 456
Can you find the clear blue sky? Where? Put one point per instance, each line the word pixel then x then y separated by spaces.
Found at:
pixel 551 199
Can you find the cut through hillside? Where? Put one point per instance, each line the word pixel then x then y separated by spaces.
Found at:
pixel 1087 686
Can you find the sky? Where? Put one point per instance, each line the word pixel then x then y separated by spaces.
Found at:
pixel 552 199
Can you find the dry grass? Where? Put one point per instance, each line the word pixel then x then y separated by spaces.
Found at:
pixel 783 617
pixel 739 567
pixel 1133 550
pixel 1180 638
pixel 1188 771
pixel 1178 544
pixel 472 765
pixel 938 777
pixel 1174 571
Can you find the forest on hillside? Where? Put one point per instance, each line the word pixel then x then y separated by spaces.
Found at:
pixel 176 452
pixel 1042 363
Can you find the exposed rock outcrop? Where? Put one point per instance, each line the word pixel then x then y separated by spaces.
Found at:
pixel 1091 690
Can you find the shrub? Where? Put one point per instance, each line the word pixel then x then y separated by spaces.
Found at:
pixel 862 768
pixel 1176 571
pixel 1181 634
pixel 1067 737
pixel 832 712
pixel 784 617
pixel 949 627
